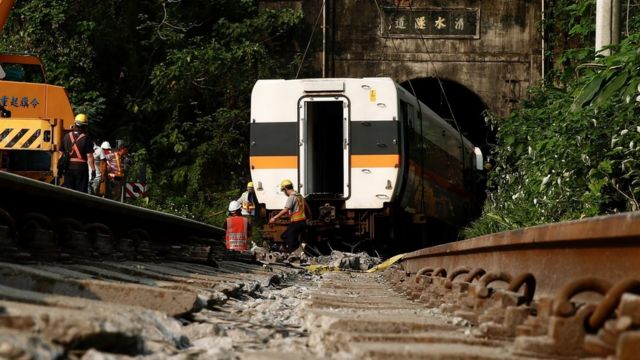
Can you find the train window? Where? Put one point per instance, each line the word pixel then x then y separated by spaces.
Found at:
pixel 404 113
pixel 324 170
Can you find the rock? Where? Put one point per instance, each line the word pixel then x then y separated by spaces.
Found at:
pixel 17 345
pixel 197 331
pixel 221 344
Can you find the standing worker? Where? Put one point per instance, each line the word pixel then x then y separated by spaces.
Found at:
pixel 296 208
pixel 238 229
pixel 95 185
pixel 248 200
pixel 115 171
pixel 79 146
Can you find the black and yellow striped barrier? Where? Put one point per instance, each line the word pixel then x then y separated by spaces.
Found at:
pixel 25 134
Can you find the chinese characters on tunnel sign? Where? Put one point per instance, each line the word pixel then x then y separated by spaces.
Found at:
pixel 432 23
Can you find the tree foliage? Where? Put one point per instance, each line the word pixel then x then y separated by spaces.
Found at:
pixel 171 77
pixel 573 149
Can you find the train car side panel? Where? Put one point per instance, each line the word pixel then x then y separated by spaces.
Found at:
pixel 437 185
pixel 371 160
pixel 375 141
pixel 274 139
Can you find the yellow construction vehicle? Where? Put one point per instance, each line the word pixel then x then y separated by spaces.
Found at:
pixel 33 114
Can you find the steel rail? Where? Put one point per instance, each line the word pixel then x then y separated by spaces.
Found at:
pixel 605 247
pixel 20 195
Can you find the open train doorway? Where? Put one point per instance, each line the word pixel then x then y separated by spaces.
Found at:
pixel 324 150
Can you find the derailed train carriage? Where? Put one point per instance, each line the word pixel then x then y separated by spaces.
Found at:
pixel 377 167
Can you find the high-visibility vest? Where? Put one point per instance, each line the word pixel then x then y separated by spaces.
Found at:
pixel 248 207
pixel 114 164
pixel 298 215
pixel 236 237
pixel 74 149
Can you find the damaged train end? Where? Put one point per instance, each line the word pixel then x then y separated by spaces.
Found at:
pixel 378 168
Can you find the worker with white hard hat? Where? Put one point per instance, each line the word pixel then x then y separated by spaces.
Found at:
pixel 116 161
pixel 96 186
pixel 238 229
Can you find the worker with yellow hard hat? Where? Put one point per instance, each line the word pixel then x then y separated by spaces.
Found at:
pixel 81 120
pixel 298 211
pixel 77 162
pixel 248 201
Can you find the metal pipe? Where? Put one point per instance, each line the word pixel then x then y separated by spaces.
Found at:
pixel 607 25
pixel 324 39
pixel 543 42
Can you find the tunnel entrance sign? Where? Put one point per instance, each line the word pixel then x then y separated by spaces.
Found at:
pixel 432 22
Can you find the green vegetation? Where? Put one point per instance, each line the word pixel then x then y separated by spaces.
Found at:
pixel 573 149
pixel 172 78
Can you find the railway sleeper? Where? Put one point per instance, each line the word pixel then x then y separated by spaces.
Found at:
pixel 208 297
pixel 8 248
pixel 548 327
pixel 38 238
pixel 619 337
pixel 80 324
pixel 29 279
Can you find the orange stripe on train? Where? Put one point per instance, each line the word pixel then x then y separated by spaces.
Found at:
pixel 372 161
pixel 357 161
pixel 273 162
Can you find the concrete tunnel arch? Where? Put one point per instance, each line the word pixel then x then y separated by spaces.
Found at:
pixel 467 107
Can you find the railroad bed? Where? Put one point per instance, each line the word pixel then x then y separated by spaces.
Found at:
pixel 82 277
pixel 187 310
pixel 238 310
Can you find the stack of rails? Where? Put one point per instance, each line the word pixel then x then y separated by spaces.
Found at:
pixel 39 220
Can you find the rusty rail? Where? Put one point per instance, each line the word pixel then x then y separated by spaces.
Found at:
pixel 571 288
pixel 22 197
pixel 606 247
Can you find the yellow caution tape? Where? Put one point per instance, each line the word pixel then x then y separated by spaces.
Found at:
pixel 384 265
pixel 380 267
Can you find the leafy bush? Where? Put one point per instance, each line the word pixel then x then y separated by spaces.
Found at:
pixel 570 153
pixel 171 78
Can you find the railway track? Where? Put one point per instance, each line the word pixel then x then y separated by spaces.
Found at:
pixel 82 276
pixel 564 290
pixel 77 281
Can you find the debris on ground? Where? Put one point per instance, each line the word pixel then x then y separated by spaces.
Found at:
pixel 343 261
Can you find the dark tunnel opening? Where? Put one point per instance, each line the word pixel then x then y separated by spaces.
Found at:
pixel 468 109
pixel 469 112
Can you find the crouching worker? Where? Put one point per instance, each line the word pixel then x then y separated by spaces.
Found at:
pixel 298 212
pixel 238 228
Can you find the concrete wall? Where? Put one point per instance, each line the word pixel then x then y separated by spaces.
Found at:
pixel 498 60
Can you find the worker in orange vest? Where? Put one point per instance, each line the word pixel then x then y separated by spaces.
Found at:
pixel 238 229
pixel 115 161
pixel 249 202
pixel 298 211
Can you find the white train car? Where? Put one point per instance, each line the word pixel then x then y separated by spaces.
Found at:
pixel 366 155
